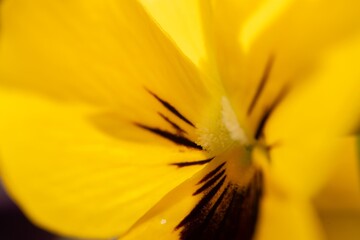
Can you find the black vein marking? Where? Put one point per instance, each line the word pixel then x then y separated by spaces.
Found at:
pixel 201 231
pixel 261 85
pixel 179 140
pixel 212 173
pixel 209 183
pixel 249 209
pixel 188 164
pixel 261 125
pixel 234 199
pixel 273 145
pixel 171 108
pixel 178 129
pixel 215 207
pixel 198 209
pixel 230 214
pixel 239 220
pixel 267 113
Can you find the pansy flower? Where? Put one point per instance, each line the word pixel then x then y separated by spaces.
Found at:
pixel 176 119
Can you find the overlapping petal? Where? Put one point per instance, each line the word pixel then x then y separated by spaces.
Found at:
pixel 105 53
pixel 288 218
pixel 219 202
pixel 93 94
pixel 97 101
pixel 279 40
pixel 189 24
pixel 338 202
pixel 295 75
pixel 327 107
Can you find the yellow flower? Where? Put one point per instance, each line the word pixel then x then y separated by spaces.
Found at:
pixel 177 119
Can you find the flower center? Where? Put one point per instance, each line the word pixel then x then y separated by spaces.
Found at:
pixel 231 123
pixel 224 131
pixel 229 193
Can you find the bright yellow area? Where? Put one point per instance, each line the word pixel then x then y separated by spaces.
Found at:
pixel 188 23
pixel 73 76
pixel 73 179
pixel 282 218
pixel 342 189
pixel 338 202
pixel 88 51
pixel 161 220
pixel 296 34
pixel 260 20
pixel 313 119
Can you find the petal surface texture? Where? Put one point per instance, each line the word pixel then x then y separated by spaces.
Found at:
pixel 339 201
pixel 93 94
pixel 271 45
pixel 114 113
pixel 102 53
pixel 76 180
pixel 327 115
pixel 188 23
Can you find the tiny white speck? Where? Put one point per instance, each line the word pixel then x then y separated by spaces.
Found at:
pixel 163 221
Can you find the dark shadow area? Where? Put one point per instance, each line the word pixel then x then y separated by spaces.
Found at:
pixel 15 226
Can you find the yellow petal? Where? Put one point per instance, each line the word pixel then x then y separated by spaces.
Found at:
pixel 342 189
pixel 188 23
pixel 104 53
pixel 339 201
pixel 74 179
pixel 280 217
pixel 290 36
pixel 341 225
pixel 327 103
pixel 220 202
pixel 161 221
pixel 242 70
pixel 299 168
pixel 287 219
pixel 313 119
pixel 62 158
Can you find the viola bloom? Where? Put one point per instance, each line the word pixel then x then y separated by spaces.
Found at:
pixel 177 119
